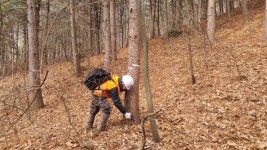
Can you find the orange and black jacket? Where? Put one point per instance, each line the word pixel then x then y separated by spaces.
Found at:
pixel 111 89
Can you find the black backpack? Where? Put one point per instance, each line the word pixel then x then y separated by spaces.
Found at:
pixel 96 78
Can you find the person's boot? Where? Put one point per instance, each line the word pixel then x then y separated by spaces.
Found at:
pixel 103 122
pixel 90 122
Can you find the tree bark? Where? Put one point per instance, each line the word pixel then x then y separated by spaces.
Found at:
pixel 75 53
pixel 153 18
pixel 106 30
pixel 35 92
pixel 165 22
pixel 265 23
pixel 46 31
pixel 113 30
pixel 143 32
pixel 158 17
pixel 211 21
pixel 1 48
pixel 245 7
pixel 132 96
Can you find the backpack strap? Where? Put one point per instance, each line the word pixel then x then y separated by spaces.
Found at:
pixel 107 85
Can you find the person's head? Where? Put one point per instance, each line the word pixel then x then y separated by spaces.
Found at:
pixel 127 81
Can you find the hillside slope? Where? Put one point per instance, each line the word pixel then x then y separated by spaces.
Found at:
pixel 225 109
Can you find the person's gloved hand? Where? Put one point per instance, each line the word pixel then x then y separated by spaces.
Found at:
pixel 128 115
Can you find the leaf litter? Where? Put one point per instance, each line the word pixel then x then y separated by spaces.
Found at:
pixel 225 109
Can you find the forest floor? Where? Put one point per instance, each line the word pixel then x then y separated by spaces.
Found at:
pixel 225 109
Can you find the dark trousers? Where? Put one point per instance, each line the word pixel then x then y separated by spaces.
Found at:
pixel 100 103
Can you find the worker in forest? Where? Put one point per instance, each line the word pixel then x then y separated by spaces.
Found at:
pixel 108 89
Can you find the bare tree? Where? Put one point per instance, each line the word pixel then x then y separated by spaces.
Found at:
pixel 113 30
pixel 75 53
pixel 245 7
pixel 265 23
pixel 153 18
pixel 132 96
pixel 211 21
pixel 106 30
pixel 35 92
pixel 165 22
pixel 143 32
pixel 46 31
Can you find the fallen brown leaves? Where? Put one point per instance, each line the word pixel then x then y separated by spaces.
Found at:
pixel 225 109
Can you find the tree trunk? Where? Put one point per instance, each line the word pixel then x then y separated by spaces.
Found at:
pixel 173 14
pixel 165 22
pixel 211 21
pixel 1 48
pixel 153 124
pixel 90 35
pixel 158 17
pixel 132 96
pixel 245 7
pixel 153 18
pixel 265 23
pixel 180 14
pixel 106 30
pixel 46 31
pixel 35 92
pixel 75 53
pixel 113 30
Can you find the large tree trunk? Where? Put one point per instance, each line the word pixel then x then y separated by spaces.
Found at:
pixel 75 53
pixel 106 30
pixel 132 96
pixel 211 21
pixel 35 92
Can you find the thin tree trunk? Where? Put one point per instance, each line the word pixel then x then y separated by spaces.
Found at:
pixel 1 48
pixel 46 31
pixel 90 35
pixel 190 56
pixel 153 124
pixel 211 21
pixel 75 53
pixel 165 22
pixel 180 14
pixel 245 7
pixel 265 23
pixel 113 30
pixel 35 92
pixel 153 18
pixel 97 28
pixel 158 17
pixel 106 30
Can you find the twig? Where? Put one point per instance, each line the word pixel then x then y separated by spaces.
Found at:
pixel 143 128
pixel 69 119
pixel 47 35
pixel 236 65
pixel 28 106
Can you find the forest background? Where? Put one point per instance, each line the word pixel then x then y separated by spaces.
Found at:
pixel 205 57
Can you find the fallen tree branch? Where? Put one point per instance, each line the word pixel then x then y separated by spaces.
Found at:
pixel 28 106
pixel 143 128
pixel 69 119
